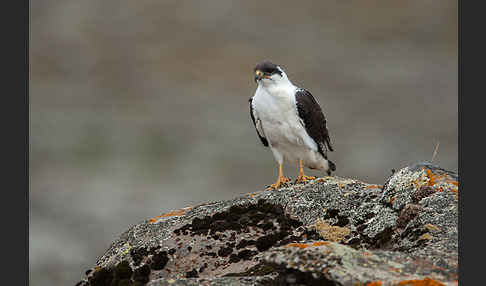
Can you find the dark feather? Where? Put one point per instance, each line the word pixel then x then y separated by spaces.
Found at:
pixel 314 122
pixel 263 139
pixel 267 67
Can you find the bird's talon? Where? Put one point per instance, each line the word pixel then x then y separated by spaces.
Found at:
pixel 278 184
pixel 304 178
pixel 272 188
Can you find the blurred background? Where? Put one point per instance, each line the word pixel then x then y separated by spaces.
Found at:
pixel 140 107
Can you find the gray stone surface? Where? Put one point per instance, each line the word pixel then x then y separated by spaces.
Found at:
pixel 402 232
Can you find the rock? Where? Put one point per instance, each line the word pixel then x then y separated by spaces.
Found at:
pixel 329 231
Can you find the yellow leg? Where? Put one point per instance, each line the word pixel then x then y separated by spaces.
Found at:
pixel 281 179
pixel 302 178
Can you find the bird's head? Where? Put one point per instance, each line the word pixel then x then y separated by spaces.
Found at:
pixel 268 73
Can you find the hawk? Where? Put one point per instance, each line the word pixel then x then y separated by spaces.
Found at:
pixel 289 120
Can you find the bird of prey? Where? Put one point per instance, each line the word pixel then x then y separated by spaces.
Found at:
pixel 290 121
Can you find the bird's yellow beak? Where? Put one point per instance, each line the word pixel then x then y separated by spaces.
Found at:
pixel 259 75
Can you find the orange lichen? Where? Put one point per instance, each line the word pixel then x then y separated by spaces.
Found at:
pixel 424 282
pixel 373 187
pixel 305 245
pixel 433 178
pixel 374 283
pixel 299 245
pixel 319 243
pixel 171 213
pixel 251 195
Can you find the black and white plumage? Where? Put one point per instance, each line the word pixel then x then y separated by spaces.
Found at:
pixel 289 120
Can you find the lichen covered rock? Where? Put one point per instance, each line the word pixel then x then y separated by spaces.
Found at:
pixel 330 231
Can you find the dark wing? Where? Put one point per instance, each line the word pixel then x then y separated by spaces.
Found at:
pixel 314 121
pixel 257 123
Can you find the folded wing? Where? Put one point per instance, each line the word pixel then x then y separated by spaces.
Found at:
pixel 257 123
pixel 314 121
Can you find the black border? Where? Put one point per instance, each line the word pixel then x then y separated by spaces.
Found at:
pixel 15 141
pixel 471 120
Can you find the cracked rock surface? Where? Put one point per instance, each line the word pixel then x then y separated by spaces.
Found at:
pixel 329 231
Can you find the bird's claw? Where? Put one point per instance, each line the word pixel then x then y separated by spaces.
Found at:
pixel 280 181
pixel 304 178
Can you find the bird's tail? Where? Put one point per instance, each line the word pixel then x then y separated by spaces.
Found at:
pixel 328 143
pixel 332 167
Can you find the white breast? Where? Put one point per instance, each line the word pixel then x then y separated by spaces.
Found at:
pixel 282 126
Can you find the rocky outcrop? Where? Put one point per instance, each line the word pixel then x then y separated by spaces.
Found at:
pixel 329 231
